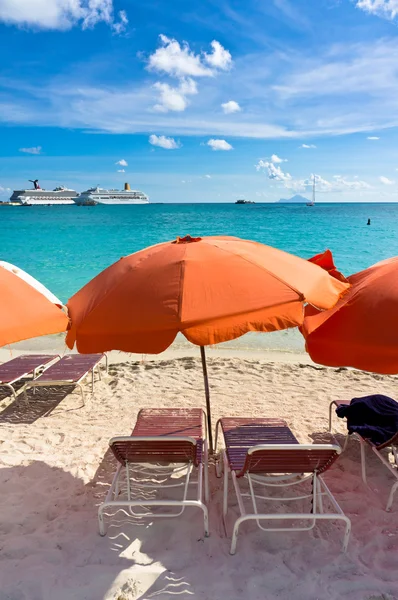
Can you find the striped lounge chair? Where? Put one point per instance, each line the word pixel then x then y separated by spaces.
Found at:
pixel 70 370
pixel 23 367
pixel 160 455
pixel 266 453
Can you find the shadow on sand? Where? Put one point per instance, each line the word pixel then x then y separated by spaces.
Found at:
pixel 39 404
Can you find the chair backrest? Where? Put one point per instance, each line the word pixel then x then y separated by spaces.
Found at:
pixel 288 458
pixel 150 449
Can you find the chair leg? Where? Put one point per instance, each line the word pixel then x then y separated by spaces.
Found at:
pixel 363 460
pixel 391 496
pixel 320 499
pixel 346 534
pixel 235 536
pixel 9 386
pixel 206 471
pixel 101 524
pixel 330 415
pixel 82 392
pixel 225 486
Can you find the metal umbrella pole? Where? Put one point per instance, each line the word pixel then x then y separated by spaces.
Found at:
pixel 207 394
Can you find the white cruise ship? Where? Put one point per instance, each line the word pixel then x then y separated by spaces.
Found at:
pixel 38 196
pixel 98 195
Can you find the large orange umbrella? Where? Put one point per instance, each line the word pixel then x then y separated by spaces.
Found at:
pixel 25 312
pixel 210 289
pixel 361 331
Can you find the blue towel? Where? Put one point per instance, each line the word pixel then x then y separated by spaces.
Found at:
pixel 372 417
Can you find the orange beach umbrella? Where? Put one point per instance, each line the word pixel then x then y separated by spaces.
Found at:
pixel 211 289
pixel 361 331
pixel 26 312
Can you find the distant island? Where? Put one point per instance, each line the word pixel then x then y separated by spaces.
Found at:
pixel 297 198
pixel 245 202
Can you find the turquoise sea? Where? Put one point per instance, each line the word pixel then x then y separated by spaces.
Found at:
pixel 64 247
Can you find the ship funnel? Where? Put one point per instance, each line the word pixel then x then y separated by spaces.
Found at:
pixel 127 187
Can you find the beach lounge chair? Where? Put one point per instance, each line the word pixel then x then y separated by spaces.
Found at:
pixel 71 371
pixel 22 367
pixel 266 453
pixel 160 456
pixel 391 444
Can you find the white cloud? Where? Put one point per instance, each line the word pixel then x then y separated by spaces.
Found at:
pixel 372 137
pixel 121 26
pixel 307 146
pixel 340 184
pixel 380 8
pixel 174 98
pixel 219 145
pixel 122 163
pixel 34 150
pixel 230 107
pixel 276 159
pixel 168 143
pixel 273 172
pixel 220 58
pixel 61 14
pixel 386 181
pixel 4 191
pixel 179 61
pixel 208 176
pixel 121 171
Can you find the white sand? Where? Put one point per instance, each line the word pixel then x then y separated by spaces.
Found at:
pixel 55 470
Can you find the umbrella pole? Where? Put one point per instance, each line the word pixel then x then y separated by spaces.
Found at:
pixel 207 394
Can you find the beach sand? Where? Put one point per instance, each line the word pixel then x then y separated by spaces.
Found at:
pixel 56 469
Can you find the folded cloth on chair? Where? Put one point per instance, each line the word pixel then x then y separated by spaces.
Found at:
pixel 372 417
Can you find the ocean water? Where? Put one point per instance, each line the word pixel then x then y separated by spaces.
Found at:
pixel 64 247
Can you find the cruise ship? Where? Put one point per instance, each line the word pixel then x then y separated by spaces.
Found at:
pixel 37 196
pixel 98 195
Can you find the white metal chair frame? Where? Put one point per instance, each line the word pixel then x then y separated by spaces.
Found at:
pixel 378 452
pixel 69 382
pixel 319 489
pixel 133 494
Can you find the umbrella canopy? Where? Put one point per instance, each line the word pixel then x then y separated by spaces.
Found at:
pixel 32 281
pixel 210 289
pixel 361 330
pixel 25 312
pixel 325 260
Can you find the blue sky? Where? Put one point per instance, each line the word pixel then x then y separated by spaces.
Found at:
pixel 201 101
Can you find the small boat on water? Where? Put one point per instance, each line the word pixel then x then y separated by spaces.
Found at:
pixel 312 203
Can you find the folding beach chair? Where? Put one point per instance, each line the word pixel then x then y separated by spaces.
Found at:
pixel 266 453
pixel 71 371
pixel 391 445
pixel 164 448
pixel 22 367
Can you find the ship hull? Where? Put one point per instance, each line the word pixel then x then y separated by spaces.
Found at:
pixel 46 202
pixel 118 202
